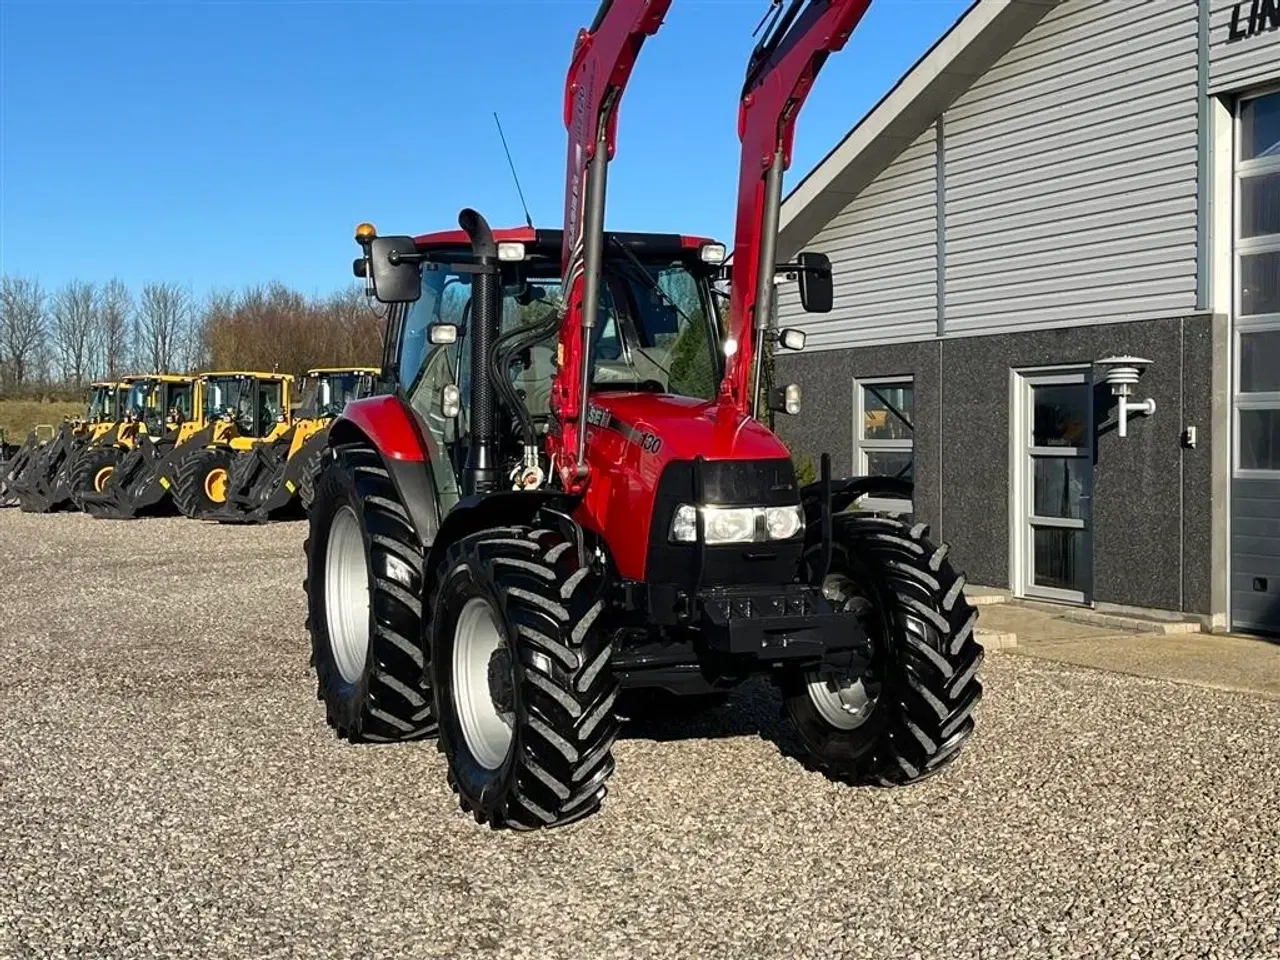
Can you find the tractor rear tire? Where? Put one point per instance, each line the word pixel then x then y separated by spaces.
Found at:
pixel 92 472
pixel 908 718
pixel 196 481
pixel 365 615
pixel 520 666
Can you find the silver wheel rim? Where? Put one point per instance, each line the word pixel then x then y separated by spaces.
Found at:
pixel 482 681
pixel 346 595
pixel 844 702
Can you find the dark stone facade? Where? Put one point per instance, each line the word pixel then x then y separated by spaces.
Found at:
pixel 1152 495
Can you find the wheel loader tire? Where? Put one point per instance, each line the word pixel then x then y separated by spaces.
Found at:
pixel 364 592
pixel 200 481
pixel 93 471
pixel 913 712
pixel 520 666
pixel 307 480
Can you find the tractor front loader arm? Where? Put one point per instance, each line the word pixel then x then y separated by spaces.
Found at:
pixel 603 57
pixel 780 73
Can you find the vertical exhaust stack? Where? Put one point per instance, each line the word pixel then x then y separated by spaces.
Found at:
pixel 486 317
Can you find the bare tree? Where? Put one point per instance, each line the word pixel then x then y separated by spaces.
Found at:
pixel 22 326
pixel 114 310
pixel 164 312
pixel 74 313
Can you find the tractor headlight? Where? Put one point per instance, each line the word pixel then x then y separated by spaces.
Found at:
pixel 783 523
pixel 723 525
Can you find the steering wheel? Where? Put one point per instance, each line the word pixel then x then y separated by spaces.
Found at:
pixel 652 386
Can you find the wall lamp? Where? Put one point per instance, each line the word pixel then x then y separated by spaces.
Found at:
pixel 1121 373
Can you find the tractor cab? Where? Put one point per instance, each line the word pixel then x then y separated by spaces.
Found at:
pixel 659 331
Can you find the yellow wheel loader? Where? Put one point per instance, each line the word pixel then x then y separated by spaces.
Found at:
pixel 154 409
pixel 38 476
pixel 241 412
pixel 275 479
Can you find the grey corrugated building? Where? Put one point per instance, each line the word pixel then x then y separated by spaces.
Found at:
pixel 1055 183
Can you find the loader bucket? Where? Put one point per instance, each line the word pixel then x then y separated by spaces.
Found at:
pixel 139 485
pixel 267 484
pixel 45 483
pixel 253 475
pixel 14 467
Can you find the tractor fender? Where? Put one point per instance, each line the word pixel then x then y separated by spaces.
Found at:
pixel 388 423
pixel 848 489
pixel 405 460
pixel 503 508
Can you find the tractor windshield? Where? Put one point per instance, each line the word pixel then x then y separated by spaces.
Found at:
pixel 657 329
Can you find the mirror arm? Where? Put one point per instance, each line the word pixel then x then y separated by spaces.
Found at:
pixel 797 267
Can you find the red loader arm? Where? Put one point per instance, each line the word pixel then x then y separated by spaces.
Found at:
pixel 779 76
pixel 603 56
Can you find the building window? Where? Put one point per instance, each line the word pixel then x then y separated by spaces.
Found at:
pixel 884 411
pixel 1257 293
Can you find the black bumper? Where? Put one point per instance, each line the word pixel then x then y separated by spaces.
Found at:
pixel 779 623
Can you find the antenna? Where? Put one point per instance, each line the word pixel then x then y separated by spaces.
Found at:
pixel 527 218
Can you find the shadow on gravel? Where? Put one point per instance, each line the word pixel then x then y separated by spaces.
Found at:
pixel 753 709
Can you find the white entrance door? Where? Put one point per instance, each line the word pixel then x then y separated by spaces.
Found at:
pixel 1052 490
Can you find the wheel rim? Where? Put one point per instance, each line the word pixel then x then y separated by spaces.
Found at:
pixel 346 595
pixel 100 479
pixel 483 683
pixel 844 701
pixel 215 485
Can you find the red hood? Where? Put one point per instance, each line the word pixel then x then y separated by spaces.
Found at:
pixel 687 427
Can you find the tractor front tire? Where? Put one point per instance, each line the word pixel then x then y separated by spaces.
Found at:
pixel 521 671
pixel 909 715
pixel 364 592
pixel 92 472
pixel 201 480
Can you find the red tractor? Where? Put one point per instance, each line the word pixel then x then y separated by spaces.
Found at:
pixel 568 492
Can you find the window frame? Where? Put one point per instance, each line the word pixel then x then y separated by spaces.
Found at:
pixel 862 446
pixel 1242 247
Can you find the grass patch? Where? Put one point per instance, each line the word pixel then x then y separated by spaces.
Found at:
pixel 17 417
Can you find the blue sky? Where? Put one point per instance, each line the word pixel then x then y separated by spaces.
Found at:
pixel 217 143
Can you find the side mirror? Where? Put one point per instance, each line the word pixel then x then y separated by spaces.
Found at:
pixel 816 293
pixel 443 333
pixel 791 339
pixel 397 275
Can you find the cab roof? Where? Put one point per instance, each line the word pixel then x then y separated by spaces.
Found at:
pixel 548 242
pixel 162 377
pixel 317 371
pixel 208 375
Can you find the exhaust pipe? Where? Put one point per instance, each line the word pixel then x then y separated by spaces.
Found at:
pixel 486 317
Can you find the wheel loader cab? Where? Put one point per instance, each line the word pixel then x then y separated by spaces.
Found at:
pixel 104 406
pixel 248 407
pixel 327 391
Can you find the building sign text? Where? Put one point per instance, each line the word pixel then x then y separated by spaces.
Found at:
pixel 1252 17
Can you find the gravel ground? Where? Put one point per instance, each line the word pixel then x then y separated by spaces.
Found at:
pixel 168 788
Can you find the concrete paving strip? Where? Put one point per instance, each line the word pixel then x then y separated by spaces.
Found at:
pixel 1238 664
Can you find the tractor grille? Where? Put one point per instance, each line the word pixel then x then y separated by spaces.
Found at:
pixel 727 483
